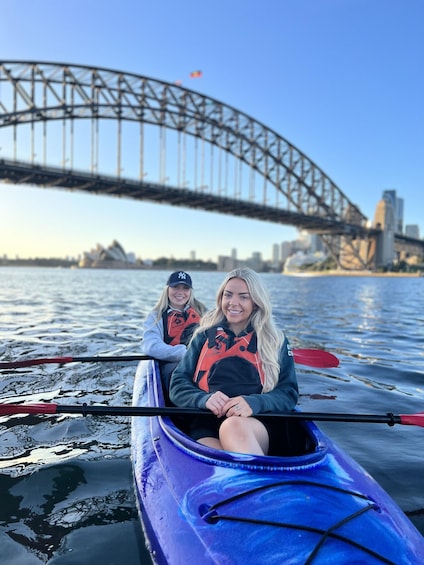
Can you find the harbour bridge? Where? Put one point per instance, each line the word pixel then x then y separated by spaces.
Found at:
pixel 107 132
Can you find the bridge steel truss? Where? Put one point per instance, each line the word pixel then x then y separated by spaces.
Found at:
pixel 38 93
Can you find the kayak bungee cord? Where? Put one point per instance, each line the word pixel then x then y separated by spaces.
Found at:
pixel 210 515
pixel 325 533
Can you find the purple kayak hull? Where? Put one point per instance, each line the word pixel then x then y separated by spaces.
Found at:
pixel 201 504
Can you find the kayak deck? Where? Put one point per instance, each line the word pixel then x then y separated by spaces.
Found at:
pixel 312 505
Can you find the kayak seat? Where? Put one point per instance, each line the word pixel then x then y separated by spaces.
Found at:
pixel 292 438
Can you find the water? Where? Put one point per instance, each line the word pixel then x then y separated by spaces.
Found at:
pixel 65 481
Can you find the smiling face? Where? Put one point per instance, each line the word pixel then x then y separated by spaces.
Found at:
pixel 178 296
pixel 237 304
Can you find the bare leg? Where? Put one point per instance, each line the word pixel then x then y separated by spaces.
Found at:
pixel 244 435
pixel 210 442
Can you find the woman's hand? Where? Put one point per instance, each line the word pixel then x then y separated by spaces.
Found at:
pixel 216 403
pixel 237 406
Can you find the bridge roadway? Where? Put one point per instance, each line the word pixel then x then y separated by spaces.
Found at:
pixel 51 177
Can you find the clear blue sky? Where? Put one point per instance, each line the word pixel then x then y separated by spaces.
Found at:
pixel 342 80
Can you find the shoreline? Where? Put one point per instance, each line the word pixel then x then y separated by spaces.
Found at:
pixel 336 273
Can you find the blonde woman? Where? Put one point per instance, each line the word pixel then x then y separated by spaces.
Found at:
pixel 170 325
pixel 238 366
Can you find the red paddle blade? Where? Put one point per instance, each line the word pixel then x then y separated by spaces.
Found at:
pixel 30 362
pixel 315 358
pixel 413 419
pixel 42 408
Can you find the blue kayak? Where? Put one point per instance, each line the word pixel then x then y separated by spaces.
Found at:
pixel 311 504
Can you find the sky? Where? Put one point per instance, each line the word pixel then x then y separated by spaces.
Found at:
pixel 342 80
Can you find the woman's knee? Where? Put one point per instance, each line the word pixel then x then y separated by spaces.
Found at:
pixel 233 426
pixel 245 433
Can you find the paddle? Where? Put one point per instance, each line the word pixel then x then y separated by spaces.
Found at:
pixel 48 408
pixel 63 360
pixel 315 358
pixel 310 357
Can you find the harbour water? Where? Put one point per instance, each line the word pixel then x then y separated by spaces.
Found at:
pixel 65 481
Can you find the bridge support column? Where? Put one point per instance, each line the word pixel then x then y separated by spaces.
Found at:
pixel 351 252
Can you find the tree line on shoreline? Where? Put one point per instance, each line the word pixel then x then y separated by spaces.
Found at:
pixel 166 263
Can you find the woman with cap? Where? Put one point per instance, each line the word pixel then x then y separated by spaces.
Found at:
pixel 169 326
pixel 239 366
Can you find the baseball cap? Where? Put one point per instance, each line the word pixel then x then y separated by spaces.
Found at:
pixel 179 277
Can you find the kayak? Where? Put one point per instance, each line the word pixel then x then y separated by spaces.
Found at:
pixel 310 504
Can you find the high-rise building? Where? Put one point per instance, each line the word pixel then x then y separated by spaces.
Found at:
pixel 255 262
pixel 399 215
pixel 412 230
pixel 397 205
pixel 390 196
pixel 275 253
pixel 286 250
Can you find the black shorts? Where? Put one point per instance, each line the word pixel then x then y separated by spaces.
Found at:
pixel 204 426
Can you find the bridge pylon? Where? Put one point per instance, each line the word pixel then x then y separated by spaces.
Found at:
pixel 352 252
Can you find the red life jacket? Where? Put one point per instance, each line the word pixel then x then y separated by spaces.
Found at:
pixel 178 327
pixel 229 363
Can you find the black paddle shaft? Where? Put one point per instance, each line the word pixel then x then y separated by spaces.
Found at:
pixel 85 410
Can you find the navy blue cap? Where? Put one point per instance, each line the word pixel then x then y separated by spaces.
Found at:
pixel 179 277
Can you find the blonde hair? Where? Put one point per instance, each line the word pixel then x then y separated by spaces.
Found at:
pixel 163 303
pixel 270 338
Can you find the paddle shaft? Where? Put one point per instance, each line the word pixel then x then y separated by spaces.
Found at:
pixel 169 411
pixel 84 410
pixel 68 359
pixel 310 357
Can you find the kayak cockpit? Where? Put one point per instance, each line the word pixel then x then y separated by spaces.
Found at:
pixel 301 443
pixel 300 447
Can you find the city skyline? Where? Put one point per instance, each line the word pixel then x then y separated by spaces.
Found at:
pixel 339 82
pixel 284 247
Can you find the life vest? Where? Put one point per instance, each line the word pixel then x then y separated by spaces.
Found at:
pixel 229 363
pixel 178 327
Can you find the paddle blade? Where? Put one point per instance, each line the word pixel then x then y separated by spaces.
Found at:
pixel 315 358
pixel 42 408
pixel 30 362
pixel 413 419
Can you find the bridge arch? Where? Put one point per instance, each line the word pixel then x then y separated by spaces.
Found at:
pixel 294 190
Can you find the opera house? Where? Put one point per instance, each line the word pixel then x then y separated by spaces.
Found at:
pixel 111 257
